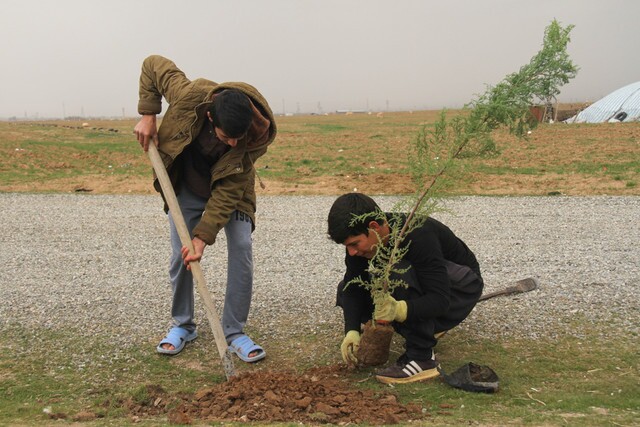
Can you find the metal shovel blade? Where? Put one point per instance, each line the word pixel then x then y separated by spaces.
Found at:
pixel 521 286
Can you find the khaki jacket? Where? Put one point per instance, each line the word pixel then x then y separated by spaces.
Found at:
pixel 233 176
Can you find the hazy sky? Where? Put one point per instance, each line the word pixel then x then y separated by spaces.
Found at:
pixel 78 57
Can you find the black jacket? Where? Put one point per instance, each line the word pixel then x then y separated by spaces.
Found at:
pixel 441 264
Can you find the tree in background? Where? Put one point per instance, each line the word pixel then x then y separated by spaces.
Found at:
pixel 552 68
pixel 540 80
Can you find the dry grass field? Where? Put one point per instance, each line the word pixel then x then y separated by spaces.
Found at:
pixel 333 154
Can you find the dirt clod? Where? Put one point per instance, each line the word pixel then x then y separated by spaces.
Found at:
pixel 374 344
pixel 84 416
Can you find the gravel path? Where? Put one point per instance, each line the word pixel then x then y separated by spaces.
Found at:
pixel 97 264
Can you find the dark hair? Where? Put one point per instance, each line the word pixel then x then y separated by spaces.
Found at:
pixel 345 209
pixel 231 112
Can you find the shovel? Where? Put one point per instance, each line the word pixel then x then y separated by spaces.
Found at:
pixel 521 286
pixel 196 269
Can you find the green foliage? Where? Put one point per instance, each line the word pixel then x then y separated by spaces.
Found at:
pixel 435 149
pixel 538 81
pixel 431 147
pixel 386 258
pixel 504 105
pixel 551 67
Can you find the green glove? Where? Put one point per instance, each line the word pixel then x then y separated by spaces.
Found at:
pixel 349 347
pixel 389 310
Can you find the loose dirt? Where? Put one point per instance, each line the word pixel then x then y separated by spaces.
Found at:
pixel 320 395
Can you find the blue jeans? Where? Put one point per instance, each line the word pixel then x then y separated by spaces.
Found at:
pixel 239 269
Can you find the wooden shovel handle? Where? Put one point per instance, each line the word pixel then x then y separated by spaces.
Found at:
pixel 196 269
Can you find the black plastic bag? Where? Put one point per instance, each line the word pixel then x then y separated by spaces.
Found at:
pixel 472 377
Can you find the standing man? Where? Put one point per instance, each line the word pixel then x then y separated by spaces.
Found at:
pixel 443 278
pixel 209 139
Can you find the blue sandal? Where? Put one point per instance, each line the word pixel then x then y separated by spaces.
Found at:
pixel 177 337
pixel 243 346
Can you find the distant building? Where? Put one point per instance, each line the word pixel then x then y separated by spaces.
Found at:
pixel 622 105
pixel 350 112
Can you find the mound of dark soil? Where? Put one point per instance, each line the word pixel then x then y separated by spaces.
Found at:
pixel 322 395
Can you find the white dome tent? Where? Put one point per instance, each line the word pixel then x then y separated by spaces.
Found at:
pixel 622 105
